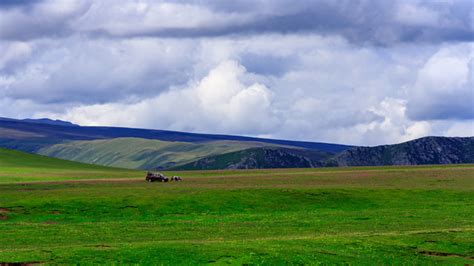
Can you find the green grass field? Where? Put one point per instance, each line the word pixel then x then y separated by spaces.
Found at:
pixel 58 212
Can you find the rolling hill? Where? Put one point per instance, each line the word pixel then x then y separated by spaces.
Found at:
pixel 138 148
pixel 140 153
pixel 159 149
pixel 32 135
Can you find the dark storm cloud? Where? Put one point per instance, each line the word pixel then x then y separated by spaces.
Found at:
pixel 98 71
pixel 373 22
pixel 26 20
pixel 16 3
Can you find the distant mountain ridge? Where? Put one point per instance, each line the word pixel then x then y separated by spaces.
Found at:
pixel 428 150
pixel 136 148
pixel 50 122
pixel 161 149
pixel 60 133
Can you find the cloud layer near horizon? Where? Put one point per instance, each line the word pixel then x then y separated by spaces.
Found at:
pixel 356 72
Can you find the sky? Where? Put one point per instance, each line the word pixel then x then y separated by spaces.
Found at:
pixel 347 71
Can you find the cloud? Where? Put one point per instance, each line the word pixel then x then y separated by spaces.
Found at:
pixel 26 108
pixel 356 72
pixel 363 22
pixel 221 100
pixel 444 88
pixel 372 22
pixel 75 69
pixel 17 3
pixel 322 89
pixel 13 53
pixel 412 15
pixel 43 19
pixel 156 18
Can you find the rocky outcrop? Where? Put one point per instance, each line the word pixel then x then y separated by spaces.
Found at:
pixel 266 157
pixel 429 150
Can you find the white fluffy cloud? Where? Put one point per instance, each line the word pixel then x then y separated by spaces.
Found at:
pixel 224 99
pixel 444 87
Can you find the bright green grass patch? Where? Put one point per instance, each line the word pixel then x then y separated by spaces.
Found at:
pixel 18 166
pixel 145 223
pixel 375 215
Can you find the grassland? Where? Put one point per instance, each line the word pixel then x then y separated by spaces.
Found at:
pixel 372 215
pixel 17 166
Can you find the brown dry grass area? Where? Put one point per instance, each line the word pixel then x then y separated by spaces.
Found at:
pixel 3 213
pixel 381 177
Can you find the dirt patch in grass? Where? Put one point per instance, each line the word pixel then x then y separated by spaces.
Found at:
pixel 102 246
pixel 3 214
pixel 99 246
pixel 20 263
pixel 225 258
pixel 129 206
pixel 443 254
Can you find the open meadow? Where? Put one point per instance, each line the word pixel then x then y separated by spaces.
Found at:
pixel 54 211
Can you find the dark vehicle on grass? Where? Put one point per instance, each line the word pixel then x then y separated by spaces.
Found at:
pixel 156 177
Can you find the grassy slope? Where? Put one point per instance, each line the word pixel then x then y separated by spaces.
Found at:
pixel 390 215
pixel 136 153
pixel 17 166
